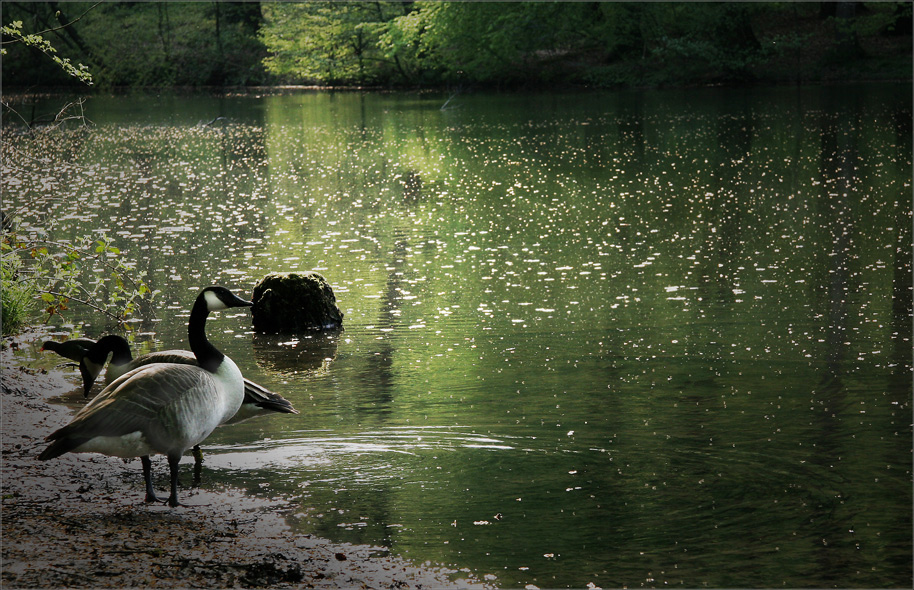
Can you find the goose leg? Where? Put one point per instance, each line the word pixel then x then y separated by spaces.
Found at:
pixel 198 464
pixel 173 460
pixel 147 477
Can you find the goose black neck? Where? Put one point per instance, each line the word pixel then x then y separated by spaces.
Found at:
pixel 116 345
pixel 208 356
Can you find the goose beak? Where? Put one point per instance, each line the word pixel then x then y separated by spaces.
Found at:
pixel 239 302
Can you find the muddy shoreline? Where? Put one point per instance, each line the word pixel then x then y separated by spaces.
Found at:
pixel 80 521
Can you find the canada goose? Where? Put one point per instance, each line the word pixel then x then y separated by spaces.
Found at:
pixel 74 348
pixel 257 398
pixel 162 408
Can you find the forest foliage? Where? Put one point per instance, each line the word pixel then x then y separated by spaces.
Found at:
pixel 429 43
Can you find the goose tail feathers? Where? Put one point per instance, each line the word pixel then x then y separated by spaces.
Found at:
pixel 59 447
pixel 265 399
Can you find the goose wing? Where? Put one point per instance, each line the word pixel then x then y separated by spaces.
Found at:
pixel 254 393
pixel 180 357
pixel 90 371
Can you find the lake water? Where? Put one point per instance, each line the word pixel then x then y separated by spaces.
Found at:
pixel 620 339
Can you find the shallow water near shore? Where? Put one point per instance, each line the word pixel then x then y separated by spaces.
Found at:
pixel 657 338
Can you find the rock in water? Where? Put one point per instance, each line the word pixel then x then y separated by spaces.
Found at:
pixel 290 303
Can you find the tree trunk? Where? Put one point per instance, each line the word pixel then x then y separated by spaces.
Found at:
pixel 845 30
pixel 164 27
pixel 217 74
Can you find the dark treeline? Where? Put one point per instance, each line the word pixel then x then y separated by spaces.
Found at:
pixel 599 44
pixel 139 43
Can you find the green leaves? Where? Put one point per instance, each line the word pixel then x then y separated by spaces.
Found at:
pixel 104 247
pixel 87 271
pixel 78 71
pixel 17 293
pixel 329 42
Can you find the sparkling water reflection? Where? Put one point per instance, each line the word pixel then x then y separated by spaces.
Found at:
pixel 611 339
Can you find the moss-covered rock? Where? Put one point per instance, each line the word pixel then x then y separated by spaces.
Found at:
pixel 291 303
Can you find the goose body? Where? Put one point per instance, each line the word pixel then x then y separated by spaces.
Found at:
pixel 164 408
pixel 193 404
pixel 257 399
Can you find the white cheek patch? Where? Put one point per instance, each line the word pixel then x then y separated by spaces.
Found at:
pixel 213 303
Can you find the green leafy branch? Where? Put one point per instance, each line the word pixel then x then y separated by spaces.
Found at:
pixel 89 272
pixel 16 34
pixel 14 30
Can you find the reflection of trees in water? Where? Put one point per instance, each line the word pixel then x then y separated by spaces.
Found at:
pixel 829 514
pixel 901 379
pixel 285 355
pixel 725 207
pixel 734 138
pixel 411 181
pixel 838 170
pixel 378 373
pixel 903 280
pixel 378 380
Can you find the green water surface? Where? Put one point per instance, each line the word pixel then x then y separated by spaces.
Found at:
pixel 619 339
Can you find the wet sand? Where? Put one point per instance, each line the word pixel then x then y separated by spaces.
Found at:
pixel 80 521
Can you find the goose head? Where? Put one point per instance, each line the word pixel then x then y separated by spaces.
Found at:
pixel 218 298
pixel 93 362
